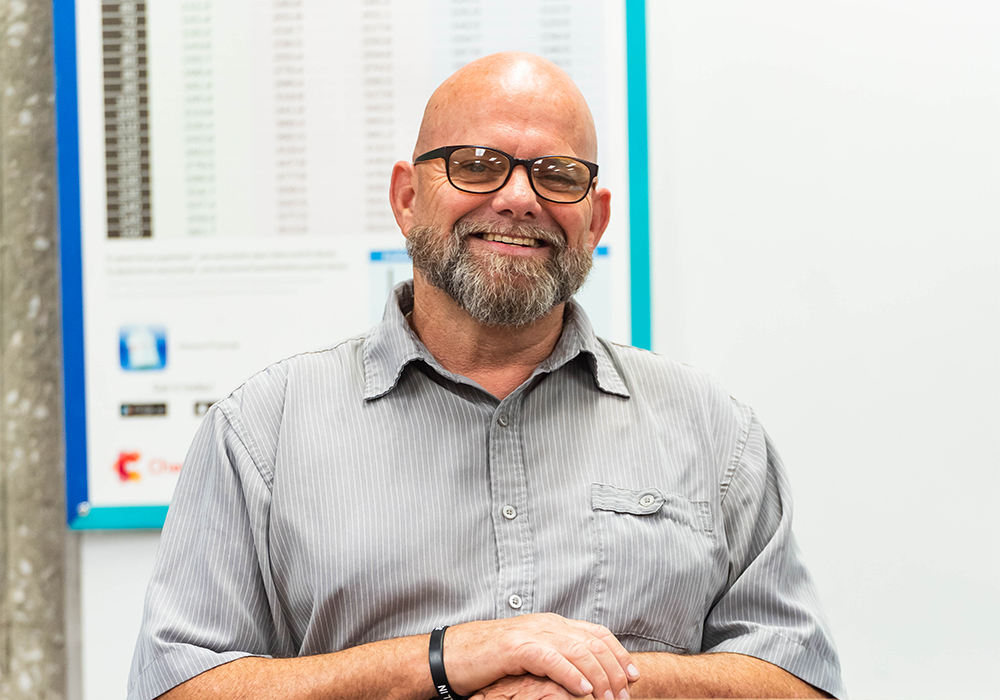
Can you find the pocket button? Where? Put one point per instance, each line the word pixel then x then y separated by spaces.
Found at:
pixel 646 501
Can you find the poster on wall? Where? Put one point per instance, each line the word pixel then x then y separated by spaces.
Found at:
pixel 223 172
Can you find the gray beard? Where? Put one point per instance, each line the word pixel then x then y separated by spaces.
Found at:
pixel 499 290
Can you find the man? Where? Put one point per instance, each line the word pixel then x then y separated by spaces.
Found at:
pixel 591 520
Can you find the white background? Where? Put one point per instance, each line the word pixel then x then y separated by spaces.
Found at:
pixel 826 242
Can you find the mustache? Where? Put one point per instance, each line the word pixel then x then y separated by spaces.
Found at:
pixel 556 239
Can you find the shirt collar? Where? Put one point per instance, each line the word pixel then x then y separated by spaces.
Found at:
pixel 391 345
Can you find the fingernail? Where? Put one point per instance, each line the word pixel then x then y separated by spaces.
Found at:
pixel 608 695
pixel 586 687
pixel 624 694
pixel 633 672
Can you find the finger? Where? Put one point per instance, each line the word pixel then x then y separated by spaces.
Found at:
pixel 550 662
pixel 600 666
pixel 585 646
pixel 621 654
pixel 526 687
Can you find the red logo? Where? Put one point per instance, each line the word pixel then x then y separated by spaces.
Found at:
pixel 122 467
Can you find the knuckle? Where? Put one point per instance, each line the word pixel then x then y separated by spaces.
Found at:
pixel 548 658
pixel 531 653
pixel 600 631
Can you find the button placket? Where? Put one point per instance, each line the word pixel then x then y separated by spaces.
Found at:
pixel 511 527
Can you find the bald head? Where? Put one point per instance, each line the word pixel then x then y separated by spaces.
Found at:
pixel 519 92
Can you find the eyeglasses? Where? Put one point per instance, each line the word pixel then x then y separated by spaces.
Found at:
pixel 483 170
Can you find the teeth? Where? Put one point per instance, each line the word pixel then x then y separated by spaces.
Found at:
pixel 529 242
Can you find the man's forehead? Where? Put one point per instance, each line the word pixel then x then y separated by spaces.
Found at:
pixel 516 93
pixel 510 128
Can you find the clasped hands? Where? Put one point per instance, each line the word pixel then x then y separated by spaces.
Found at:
pixel 538 656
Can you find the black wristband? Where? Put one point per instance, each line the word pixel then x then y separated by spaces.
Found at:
pixel 435 654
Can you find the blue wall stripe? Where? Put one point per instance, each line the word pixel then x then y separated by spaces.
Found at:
pixel 70 258
pixel 120 518
pixel 638 174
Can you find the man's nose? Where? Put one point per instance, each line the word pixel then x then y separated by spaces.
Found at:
pixel 517 199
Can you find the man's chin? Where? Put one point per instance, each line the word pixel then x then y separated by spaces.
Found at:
pixel 495 288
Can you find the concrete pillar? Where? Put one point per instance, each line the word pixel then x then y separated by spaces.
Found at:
pixel 32 524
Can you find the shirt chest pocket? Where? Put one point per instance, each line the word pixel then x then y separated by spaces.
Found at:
pixel 654 562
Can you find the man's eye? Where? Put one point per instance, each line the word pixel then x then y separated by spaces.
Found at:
pixel 558 181
pixel 477 169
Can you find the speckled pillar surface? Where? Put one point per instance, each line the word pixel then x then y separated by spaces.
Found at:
pixel 32 525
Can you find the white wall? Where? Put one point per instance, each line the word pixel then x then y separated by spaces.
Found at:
pixel 826 242
pixel 115 568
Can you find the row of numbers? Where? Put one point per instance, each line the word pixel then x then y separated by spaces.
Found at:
pixel 126 119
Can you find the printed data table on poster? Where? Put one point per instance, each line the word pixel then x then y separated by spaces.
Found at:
pixel 224 173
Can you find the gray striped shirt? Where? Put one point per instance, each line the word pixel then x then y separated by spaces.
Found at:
pixel 365 492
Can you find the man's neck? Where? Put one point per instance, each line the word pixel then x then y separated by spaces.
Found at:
pixel 498 358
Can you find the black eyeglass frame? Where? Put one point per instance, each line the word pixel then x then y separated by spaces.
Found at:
pixel 446 152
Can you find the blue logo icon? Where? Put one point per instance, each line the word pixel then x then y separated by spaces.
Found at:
pixel 142 348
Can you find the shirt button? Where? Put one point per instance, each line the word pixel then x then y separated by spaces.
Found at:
pixel 509 512
pixel 502 420
pixel 515 601
pixel 646 501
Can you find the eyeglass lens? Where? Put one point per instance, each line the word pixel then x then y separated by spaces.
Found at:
pixel 559 178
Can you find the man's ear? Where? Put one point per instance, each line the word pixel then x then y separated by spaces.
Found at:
pixel 402 194
pixel 601 215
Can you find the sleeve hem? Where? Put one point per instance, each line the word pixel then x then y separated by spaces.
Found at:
pixel 789 655
pixel 178 666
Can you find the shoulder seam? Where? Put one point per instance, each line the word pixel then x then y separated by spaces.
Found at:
pixel 239 429
pixel 249 444
pixel 737 458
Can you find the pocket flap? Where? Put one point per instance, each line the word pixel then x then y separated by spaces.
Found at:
pixel 641 502
pixel 695 514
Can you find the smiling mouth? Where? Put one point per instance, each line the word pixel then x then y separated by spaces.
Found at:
pixel 511 240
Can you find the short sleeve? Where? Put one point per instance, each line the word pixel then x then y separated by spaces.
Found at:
pixel 770 609
pixel 207 603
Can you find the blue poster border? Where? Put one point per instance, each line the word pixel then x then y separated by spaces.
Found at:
pixel 70 257
pixel 80 515
pixel 638 174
